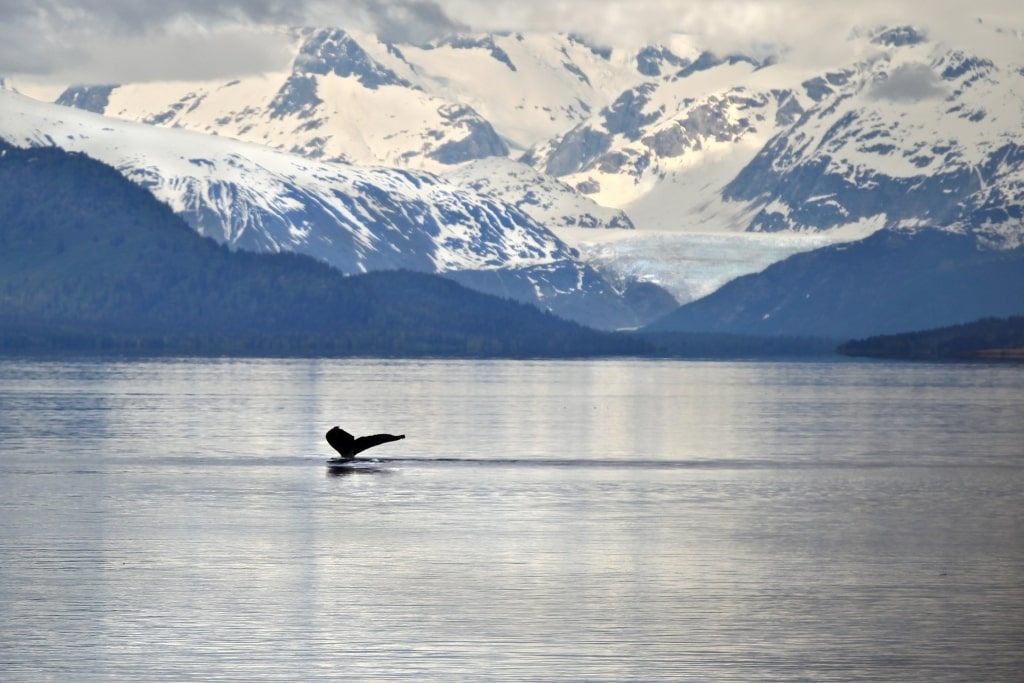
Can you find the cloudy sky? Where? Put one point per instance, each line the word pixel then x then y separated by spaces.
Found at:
pixel 117 41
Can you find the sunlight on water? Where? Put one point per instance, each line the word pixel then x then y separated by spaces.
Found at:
pixel 602 521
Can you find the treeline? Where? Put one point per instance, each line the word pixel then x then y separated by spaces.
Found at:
pixel 985 338
pixel 91 262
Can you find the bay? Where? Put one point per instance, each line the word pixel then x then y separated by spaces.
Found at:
pixel 610 520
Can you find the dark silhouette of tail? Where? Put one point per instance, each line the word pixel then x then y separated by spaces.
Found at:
pixel 349 446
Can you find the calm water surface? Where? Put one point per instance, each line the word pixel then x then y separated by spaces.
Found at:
pixel 543 521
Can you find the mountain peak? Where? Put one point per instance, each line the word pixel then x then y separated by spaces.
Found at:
pixel 94 98
pixel 651 60
pixel 481 43
pixel 332 50
pixel 899 36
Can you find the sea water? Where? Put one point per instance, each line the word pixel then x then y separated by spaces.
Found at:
pixel 610 520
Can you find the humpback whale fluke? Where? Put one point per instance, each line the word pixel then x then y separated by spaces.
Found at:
pixel 349 446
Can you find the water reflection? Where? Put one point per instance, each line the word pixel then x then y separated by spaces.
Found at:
pixel 354 471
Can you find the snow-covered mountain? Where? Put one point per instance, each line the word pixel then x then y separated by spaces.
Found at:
pixel 674 139
pixel 915 132
pixel 569 109
pixel 355 218
pixel 348 96
pixel 678 136
pixel 919 135
pixel 547 200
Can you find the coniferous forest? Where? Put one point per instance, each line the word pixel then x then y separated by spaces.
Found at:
pixel 989 338
pixel 91 262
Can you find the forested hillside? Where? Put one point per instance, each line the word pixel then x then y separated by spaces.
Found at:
pixel 987 338
pixel 90 261
pixel 890 282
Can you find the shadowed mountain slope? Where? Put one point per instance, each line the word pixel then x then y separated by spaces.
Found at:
pixel 90 260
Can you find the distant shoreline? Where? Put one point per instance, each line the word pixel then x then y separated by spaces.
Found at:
pixel 1016 353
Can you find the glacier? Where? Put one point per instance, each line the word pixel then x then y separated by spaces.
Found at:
pixel 691 265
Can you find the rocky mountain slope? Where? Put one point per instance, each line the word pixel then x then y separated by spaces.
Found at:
pixel 920 135
pixel 347 96
pixel 915 132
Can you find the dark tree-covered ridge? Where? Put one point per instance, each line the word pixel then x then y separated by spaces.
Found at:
pixel 89 260
pixel 890 282
pixel 986 338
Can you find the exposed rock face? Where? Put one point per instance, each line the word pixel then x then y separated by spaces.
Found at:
pixel 334 51
pixel 94 98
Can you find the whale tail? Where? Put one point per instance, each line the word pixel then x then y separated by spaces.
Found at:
pixel 349 446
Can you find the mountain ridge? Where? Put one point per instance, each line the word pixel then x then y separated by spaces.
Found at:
pixel 911 132
pixel 357 219
pixel 93 262
pixel 624 127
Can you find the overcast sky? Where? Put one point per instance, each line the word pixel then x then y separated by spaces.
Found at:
pixel 111 41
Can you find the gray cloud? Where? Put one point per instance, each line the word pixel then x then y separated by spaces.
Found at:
pixel 909 83
pixel 820 25
pixel 121 40
pixel 135 16
pixel 410 21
